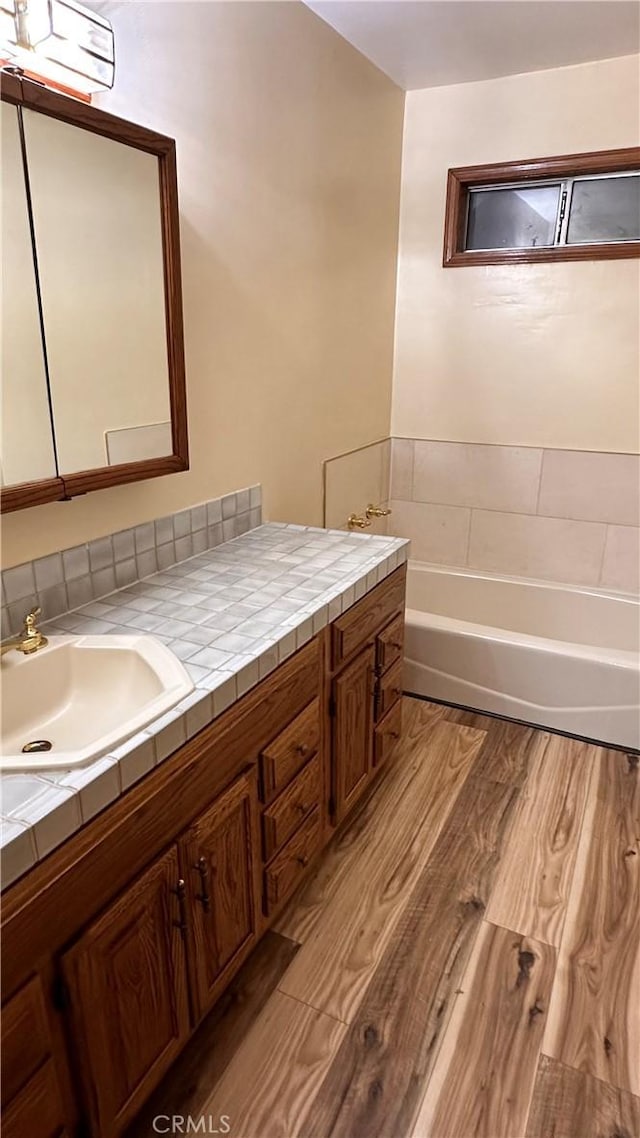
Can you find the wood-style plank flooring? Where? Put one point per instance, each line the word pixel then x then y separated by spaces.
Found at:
pixel 463 963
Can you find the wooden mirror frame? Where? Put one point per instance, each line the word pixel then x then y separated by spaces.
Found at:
pixel 23 92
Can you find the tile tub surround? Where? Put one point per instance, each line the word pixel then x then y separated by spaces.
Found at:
pixel 232 614
pixel 74 577
pixel 559 515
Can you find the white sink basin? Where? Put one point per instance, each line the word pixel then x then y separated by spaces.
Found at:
pixel 84 695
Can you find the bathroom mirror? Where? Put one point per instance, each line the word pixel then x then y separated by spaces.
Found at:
pixel 27 438
pixel 93 358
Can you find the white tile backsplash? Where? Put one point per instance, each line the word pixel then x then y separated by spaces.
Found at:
pixel 532 492
pixel 484 477
pixel 589 486
pixel 553 549
pixel 621 563
pixel 438 533
pixel 63 581
pixel 402 453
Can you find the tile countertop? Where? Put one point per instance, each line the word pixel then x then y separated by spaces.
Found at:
pixel 231 614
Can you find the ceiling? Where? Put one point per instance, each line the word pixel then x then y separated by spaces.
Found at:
pixel 430 43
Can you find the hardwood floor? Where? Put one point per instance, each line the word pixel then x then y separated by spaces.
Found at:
pixel 464 963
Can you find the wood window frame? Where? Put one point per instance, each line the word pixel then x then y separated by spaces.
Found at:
pixel 462 178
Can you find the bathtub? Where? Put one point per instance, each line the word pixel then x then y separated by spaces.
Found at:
pixel 556 656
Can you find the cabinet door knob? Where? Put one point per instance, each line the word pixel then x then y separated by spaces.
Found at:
pixel 303 861
pixel 302 748
pixel 396 644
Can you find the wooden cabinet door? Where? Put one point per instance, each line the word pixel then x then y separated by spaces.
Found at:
pixel 36 1112
pixel 352 731
pixel 221 859
pixel 126 982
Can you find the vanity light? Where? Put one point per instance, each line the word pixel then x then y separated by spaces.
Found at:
pixel 59 41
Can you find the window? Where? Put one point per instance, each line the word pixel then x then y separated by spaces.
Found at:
pixel 576 207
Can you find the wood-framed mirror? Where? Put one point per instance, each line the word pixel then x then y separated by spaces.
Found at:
pixel 93 377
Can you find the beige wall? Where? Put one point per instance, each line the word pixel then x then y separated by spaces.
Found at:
pixel 289 147
pixel 538 355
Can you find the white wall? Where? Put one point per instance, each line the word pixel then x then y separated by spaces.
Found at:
pixel 538 355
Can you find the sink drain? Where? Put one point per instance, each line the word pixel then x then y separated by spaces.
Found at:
pixel 36 746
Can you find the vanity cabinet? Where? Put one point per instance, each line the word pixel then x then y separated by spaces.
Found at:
pixel 32 1102
pixel 126 990
pixel 195 904
pixel 117 944
pixel 365 707
pixel 352 731
pixel 219 856
pixel 292 789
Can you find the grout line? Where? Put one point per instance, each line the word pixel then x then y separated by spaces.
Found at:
pixel 540 473
pixel 413 467
pixel 514 513
pixel 468 545
pixel 604 551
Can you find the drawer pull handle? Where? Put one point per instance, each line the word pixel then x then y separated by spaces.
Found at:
pixel 302 807
pixel 303 861
pixel 203 897
pixel 395 644
pixel 302 748
pixel 180 892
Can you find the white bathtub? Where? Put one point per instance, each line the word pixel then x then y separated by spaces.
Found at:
pixel 554 655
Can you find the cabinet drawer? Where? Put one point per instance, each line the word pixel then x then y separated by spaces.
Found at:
pixel 286 869
pixel 282 818
pixel 389 689
pixel 387 734
pixel 390 644
pixel 25 1037
pixel 37 1111
pixel 289 751
pixel 356 627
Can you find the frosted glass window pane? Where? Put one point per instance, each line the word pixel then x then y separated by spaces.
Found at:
pixel 523 218
pixel 605 209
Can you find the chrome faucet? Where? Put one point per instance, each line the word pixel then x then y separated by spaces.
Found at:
pixel 30 639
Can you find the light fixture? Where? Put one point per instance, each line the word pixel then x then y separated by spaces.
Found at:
pixel 59 41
